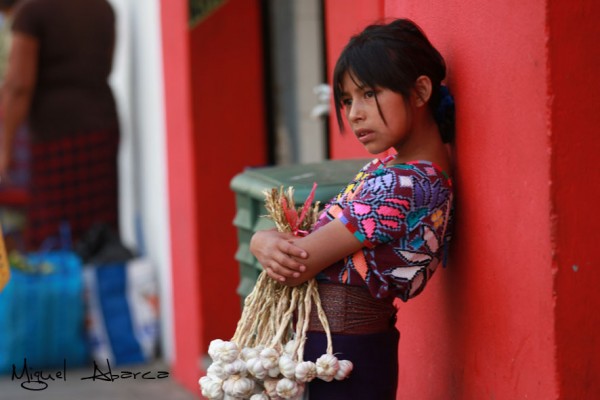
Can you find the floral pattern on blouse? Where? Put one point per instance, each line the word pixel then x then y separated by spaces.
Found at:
pixel 402 214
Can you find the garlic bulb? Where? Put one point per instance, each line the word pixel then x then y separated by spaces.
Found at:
pixel 327 366
pixel 306 371
pixel 256 369
pixel 273 372
pixel 238 367
pixel 217 372
pixel 244 388
pixel 287 366
pixel 269 358
pixel 225 352
pixel 211 388
pixel 237 386
pixel 260 396
pixel 345 369
pixel 230 352
pixel 214 349
pixel 288 389
pixel 248 353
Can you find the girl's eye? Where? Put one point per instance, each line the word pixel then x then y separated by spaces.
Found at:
pixel 346 102
pixel 369 94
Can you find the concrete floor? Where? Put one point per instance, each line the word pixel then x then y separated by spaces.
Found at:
pixel 79 384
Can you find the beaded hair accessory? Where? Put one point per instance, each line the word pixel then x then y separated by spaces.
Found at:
pixel 444 114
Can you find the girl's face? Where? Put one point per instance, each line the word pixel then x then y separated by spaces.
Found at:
pixel 365 119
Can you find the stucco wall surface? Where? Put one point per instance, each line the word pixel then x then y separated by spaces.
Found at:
pixel 574 59
pixel 182 193
pixel 484 329
pixel 344 18
pixel 229 135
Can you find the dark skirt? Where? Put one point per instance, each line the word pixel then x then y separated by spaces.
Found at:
pixel 73 180
pixel 375 359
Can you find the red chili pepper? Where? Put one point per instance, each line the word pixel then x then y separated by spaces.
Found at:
pixel 291 215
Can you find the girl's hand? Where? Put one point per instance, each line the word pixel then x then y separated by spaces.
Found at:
pixel 278 255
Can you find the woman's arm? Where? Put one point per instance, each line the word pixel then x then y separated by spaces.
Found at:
pixel 294 260
pixel 17 91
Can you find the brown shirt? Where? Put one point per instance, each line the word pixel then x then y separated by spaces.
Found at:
pixel 76 41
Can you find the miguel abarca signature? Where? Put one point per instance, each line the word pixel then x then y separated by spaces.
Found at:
pixel 37 379
pixel 108 375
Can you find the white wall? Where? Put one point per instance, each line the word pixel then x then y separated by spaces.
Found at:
pixel 297 68
pixel 137 81
pixel 309 53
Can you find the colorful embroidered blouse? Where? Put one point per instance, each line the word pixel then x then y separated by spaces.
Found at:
pixel 402 214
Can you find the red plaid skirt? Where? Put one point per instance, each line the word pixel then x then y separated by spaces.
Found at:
pixel 73 179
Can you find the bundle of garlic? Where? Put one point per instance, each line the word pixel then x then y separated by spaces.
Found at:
pixel 265 357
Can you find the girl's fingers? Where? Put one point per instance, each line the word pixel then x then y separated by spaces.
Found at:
pixel 283 270
pixel 274 275
pixel 287 262
pixel 293 250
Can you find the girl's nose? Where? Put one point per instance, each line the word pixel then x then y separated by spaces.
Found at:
pixel 356 112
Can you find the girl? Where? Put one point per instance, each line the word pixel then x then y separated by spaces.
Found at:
pixel 383 236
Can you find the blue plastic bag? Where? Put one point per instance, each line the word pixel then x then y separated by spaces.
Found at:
pixel 122 311
pixel 42 314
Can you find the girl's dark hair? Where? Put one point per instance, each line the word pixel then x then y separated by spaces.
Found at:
pixel 393 56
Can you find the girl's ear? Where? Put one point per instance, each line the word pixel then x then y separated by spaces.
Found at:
pixel 422 90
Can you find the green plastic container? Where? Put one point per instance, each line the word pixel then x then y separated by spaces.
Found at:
pixel 330 176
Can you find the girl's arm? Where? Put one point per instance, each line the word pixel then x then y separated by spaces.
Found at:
pixel 294 260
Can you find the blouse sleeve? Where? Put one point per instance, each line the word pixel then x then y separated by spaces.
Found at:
pixel 401 217
pixel 28 17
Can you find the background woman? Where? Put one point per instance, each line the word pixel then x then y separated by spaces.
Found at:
pixel 57 81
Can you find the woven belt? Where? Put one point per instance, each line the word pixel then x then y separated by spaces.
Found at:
pixel 352 310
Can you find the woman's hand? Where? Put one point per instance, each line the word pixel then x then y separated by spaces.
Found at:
pixel 278 255
pixel 5 158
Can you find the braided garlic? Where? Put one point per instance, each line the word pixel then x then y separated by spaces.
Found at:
pixel 265 358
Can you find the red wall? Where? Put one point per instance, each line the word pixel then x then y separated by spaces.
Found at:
pixel 215 128
pixel 484 328
pixel 574 58
pixel 489 315
pixel 514 315
pixel 182 193
pixel 344 18
pixel 229 134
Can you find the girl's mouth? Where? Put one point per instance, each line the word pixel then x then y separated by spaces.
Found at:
pixel 364 135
